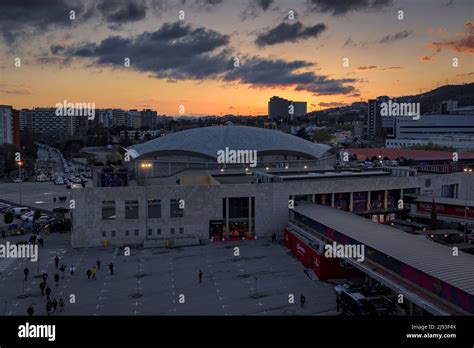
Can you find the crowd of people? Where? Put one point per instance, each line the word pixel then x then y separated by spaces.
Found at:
pixel 52 304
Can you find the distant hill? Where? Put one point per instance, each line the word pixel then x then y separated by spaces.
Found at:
pixel 464 94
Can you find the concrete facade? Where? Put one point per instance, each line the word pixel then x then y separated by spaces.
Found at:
pixel 205 203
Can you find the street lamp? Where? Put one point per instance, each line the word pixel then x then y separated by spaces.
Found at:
pixel 466 170
pixel 19 177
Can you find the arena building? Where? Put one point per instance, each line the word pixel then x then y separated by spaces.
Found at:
pixel 183 196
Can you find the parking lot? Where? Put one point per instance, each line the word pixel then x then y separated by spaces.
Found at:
pixel 165 281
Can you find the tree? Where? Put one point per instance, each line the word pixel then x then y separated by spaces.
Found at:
pixel 37 214
pixel 322 136
pixel 8 217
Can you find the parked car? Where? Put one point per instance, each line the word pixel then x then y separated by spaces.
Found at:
pixel 348 287
pixel 59 181
pixel 25 216
pixel 4 207
pixel 17 180
pixel 42 218
pixel 19 211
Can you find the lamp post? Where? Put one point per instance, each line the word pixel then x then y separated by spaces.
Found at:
pixel 466 170
pixel 19 177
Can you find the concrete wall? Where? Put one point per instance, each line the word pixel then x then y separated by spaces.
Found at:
pixel 204 203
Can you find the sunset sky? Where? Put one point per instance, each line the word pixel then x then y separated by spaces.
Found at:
pixel 190 62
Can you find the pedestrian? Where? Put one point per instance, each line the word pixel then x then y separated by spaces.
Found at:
pixel 98 264
pixel 54 305
pixel 30 310
pixel 47 292
pixel 94 271
pixel 72 269
pixel 61 305
pixel 302 300
pixel 89 272
pixel 200 276
pixel 111 268
pixel 338 302
pixel 49 306
pixel 42 287
pixel 62 269
pixel 54 199
pixel 56 279
pixel 26 271
pixel 274 237
pixel 45 276
pixel 56 261
pixel 41 241
pixel 3 234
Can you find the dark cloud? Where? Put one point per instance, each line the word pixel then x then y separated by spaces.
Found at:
pixel 332 104
pixel 268 73
pixel 258 71
pixel 387 39
pixel 322 85
pixel 255 7
pixel 285 32
pixel 370 67
pixel 395 37
pixel 341 7
pixel 175 51
pixel 24 18
pixel 178 51
pixel 122 11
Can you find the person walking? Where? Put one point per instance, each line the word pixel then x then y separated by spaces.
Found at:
pixel 45 276
pixel 200 276
pixel 62 269
pixel 56 279
pixel 41 241
pixel 89 272
pixel 30 310
pixel 98 264
pixel 72 269
pixel 47 292
pixel 61 305
pixel 54 305
pixel 302 300
pixel 111 268
pixel 56 261
pixel 42 287
pixel 26 271
pixel 94 271
pixel 3 234
pixel 49 307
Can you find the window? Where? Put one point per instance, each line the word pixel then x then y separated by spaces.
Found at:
pixel 108 210
pixel 158 231
pixel 172 230
pixel 131 209
pixel 150 231
pixel 112 233
pixel 175 209
pixel 154 209
pixel 127 233
pixel 181 230
pixel 104 234
pixel 136 233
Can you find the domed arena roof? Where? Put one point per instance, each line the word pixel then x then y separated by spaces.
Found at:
pixel 207 141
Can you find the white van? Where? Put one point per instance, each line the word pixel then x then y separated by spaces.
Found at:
pixel 19 211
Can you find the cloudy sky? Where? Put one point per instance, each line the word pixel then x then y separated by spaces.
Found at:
pixel 229 56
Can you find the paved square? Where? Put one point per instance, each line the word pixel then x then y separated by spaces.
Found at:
pixel 165 281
